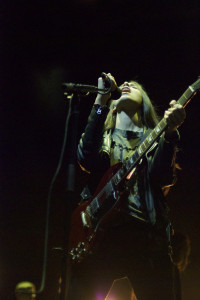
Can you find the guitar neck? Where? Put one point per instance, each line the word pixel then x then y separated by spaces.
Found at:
pixel 188 95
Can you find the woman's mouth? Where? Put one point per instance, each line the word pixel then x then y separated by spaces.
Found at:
pixel 125 90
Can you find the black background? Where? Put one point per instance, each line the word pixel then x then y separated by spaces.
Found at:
pixel 45 44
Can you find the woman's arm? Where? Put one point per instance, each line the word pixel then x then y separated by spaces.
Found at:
pixel 162 163
pixel 163 160
pixel 90 142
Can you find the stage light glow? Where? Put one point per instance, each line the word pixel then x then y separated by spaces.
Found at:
pixel 99 296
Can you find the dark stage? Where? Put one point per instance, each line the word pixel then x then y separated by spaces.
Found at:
pixel 44 45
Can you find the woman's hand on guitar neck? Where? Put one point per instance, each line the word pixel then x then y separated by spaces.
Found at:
pixel 174 116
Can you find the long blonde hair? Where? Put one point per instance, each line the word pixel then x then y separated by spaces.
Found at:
pixel 149 115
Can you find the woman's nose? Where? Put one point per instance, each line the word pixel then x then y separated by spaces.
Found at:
pixel 126 83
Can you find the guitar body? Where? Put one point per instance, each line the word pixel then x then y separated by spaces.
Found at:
pixel 107 176
pixel 80 237
pixel 83 229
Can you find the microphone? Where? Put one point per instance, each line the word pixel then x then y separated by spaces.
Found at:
pixel 116 94
pixel 82 88
pixel 85 88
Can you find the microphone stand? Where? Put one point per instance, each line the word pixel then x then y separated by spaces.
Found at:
pixel 72 135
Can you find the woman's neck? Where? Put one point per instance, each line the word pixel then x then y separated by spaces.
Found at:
pixel 126 122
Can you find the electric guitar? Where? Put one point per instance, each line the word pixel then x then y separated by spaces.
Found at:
pixel 87 217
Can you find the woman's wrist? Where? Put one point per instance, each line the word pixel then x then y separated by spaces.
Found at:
pixel 102 99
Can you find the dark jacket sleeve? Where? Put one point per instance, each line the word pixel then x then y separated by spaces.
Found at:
pixel 162 161
pixel 90 142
